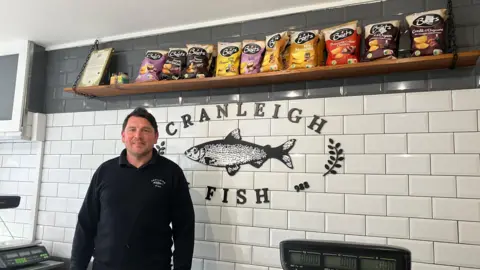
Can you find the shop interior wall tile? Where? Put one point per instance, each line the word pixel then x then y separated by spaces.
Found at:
pixel 117 103
pixel 224 95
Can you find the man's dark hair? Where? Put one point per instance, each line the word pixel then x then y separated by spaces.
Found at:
pixel 142 112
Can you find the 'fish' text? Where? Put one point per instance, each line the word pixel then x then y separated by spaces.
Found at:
pixel 241 199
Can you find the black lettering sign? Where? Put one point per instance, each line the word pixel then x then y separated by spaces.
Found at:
pixel 264 195
pixel 277 108
pixel 297 118
pixel 210 191
pixel 225 195
pixel 239 111
pixel 223 111
pixel 259 109
pixel 261 194
pixel 187 120
pixel 204 116
pixel 167 129
pixel 314 123
pixel 241 199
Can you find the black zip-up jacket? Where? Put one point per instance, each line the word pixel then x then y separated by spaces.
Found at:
pixel 124 222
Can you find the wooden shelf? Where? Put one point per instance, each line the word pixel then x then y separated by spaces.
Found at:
pixel 318 73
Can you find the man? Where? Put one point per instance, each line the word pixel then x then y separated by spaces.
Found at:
pixel 124 222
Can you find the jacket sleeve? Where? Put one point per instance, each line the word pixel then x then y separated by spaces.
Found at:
pixel 183 224
pixel 86 229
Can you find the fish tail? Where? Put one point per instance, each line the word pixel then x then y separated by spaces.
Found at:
pixel 284 155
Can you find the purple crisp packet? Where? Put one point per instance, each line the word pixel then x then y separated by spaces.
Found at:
pixel 151 66
pixel 252 56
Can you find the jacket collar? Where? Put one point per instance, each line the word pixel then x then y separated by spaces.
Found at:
pixel 123 162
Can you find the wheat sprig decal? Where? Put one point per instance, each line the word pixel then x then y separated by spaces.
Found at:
pixel 335 156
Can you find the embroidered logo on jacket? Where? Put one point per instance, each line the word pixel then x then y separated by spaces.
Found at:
pixel 158 183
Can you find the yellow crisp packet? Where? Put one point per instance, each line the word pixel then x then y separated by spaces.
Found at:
pixel 275 44
pixel 286 52
pixel 304 50
pixel 228 59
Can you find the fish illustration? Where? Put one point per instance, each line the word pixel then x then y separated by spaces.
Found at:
pixel 232 152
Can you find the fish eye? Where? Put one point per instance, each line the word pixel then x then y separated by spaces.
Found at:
pixel 195 150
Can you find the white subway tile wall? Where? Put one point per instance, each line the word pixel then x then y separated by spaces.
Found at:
pixel 17 177
pixel 410 177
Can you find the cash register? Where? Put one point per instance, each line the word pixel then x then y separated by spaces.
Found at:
pixel 23 254
pixel 335 255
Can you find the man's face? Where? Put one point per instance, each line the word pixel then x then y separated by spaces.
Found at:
pixel 139 136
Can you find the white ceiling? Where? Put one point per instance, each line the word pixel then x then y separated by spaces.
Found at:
pixel 58 24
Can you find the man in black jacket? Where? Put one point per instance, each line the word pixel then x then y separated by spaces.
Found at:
pixel 136 207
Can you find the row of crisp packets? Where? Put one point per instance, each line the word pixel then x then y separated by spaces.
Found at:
pixel 285 50
pixel 290 50
pixel 305 49
pixel 194 61
pixel 234 58
pixel 293 50
pixel 427 37
pixel 202 60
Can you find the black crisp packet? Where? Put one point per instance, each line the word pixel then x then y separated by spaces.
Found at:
pixel 381 40
pixel 175 64
pixel 428 32
pixel 198 61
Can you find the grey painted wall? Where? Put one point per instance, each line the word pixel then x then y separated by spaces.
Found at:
pixel 63 65
pixel 36 86
pixel 8 78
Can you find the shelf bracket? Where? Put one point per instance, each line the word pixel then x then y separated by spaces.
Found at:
pixel 74 86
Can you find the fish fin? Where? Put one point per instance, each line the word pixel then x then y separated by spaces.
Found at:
pixel 258 163
pixel 234 135
pixel 232 169
pixel 284 156
pixel 287 160
pixel 209 160
pixel 288 145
